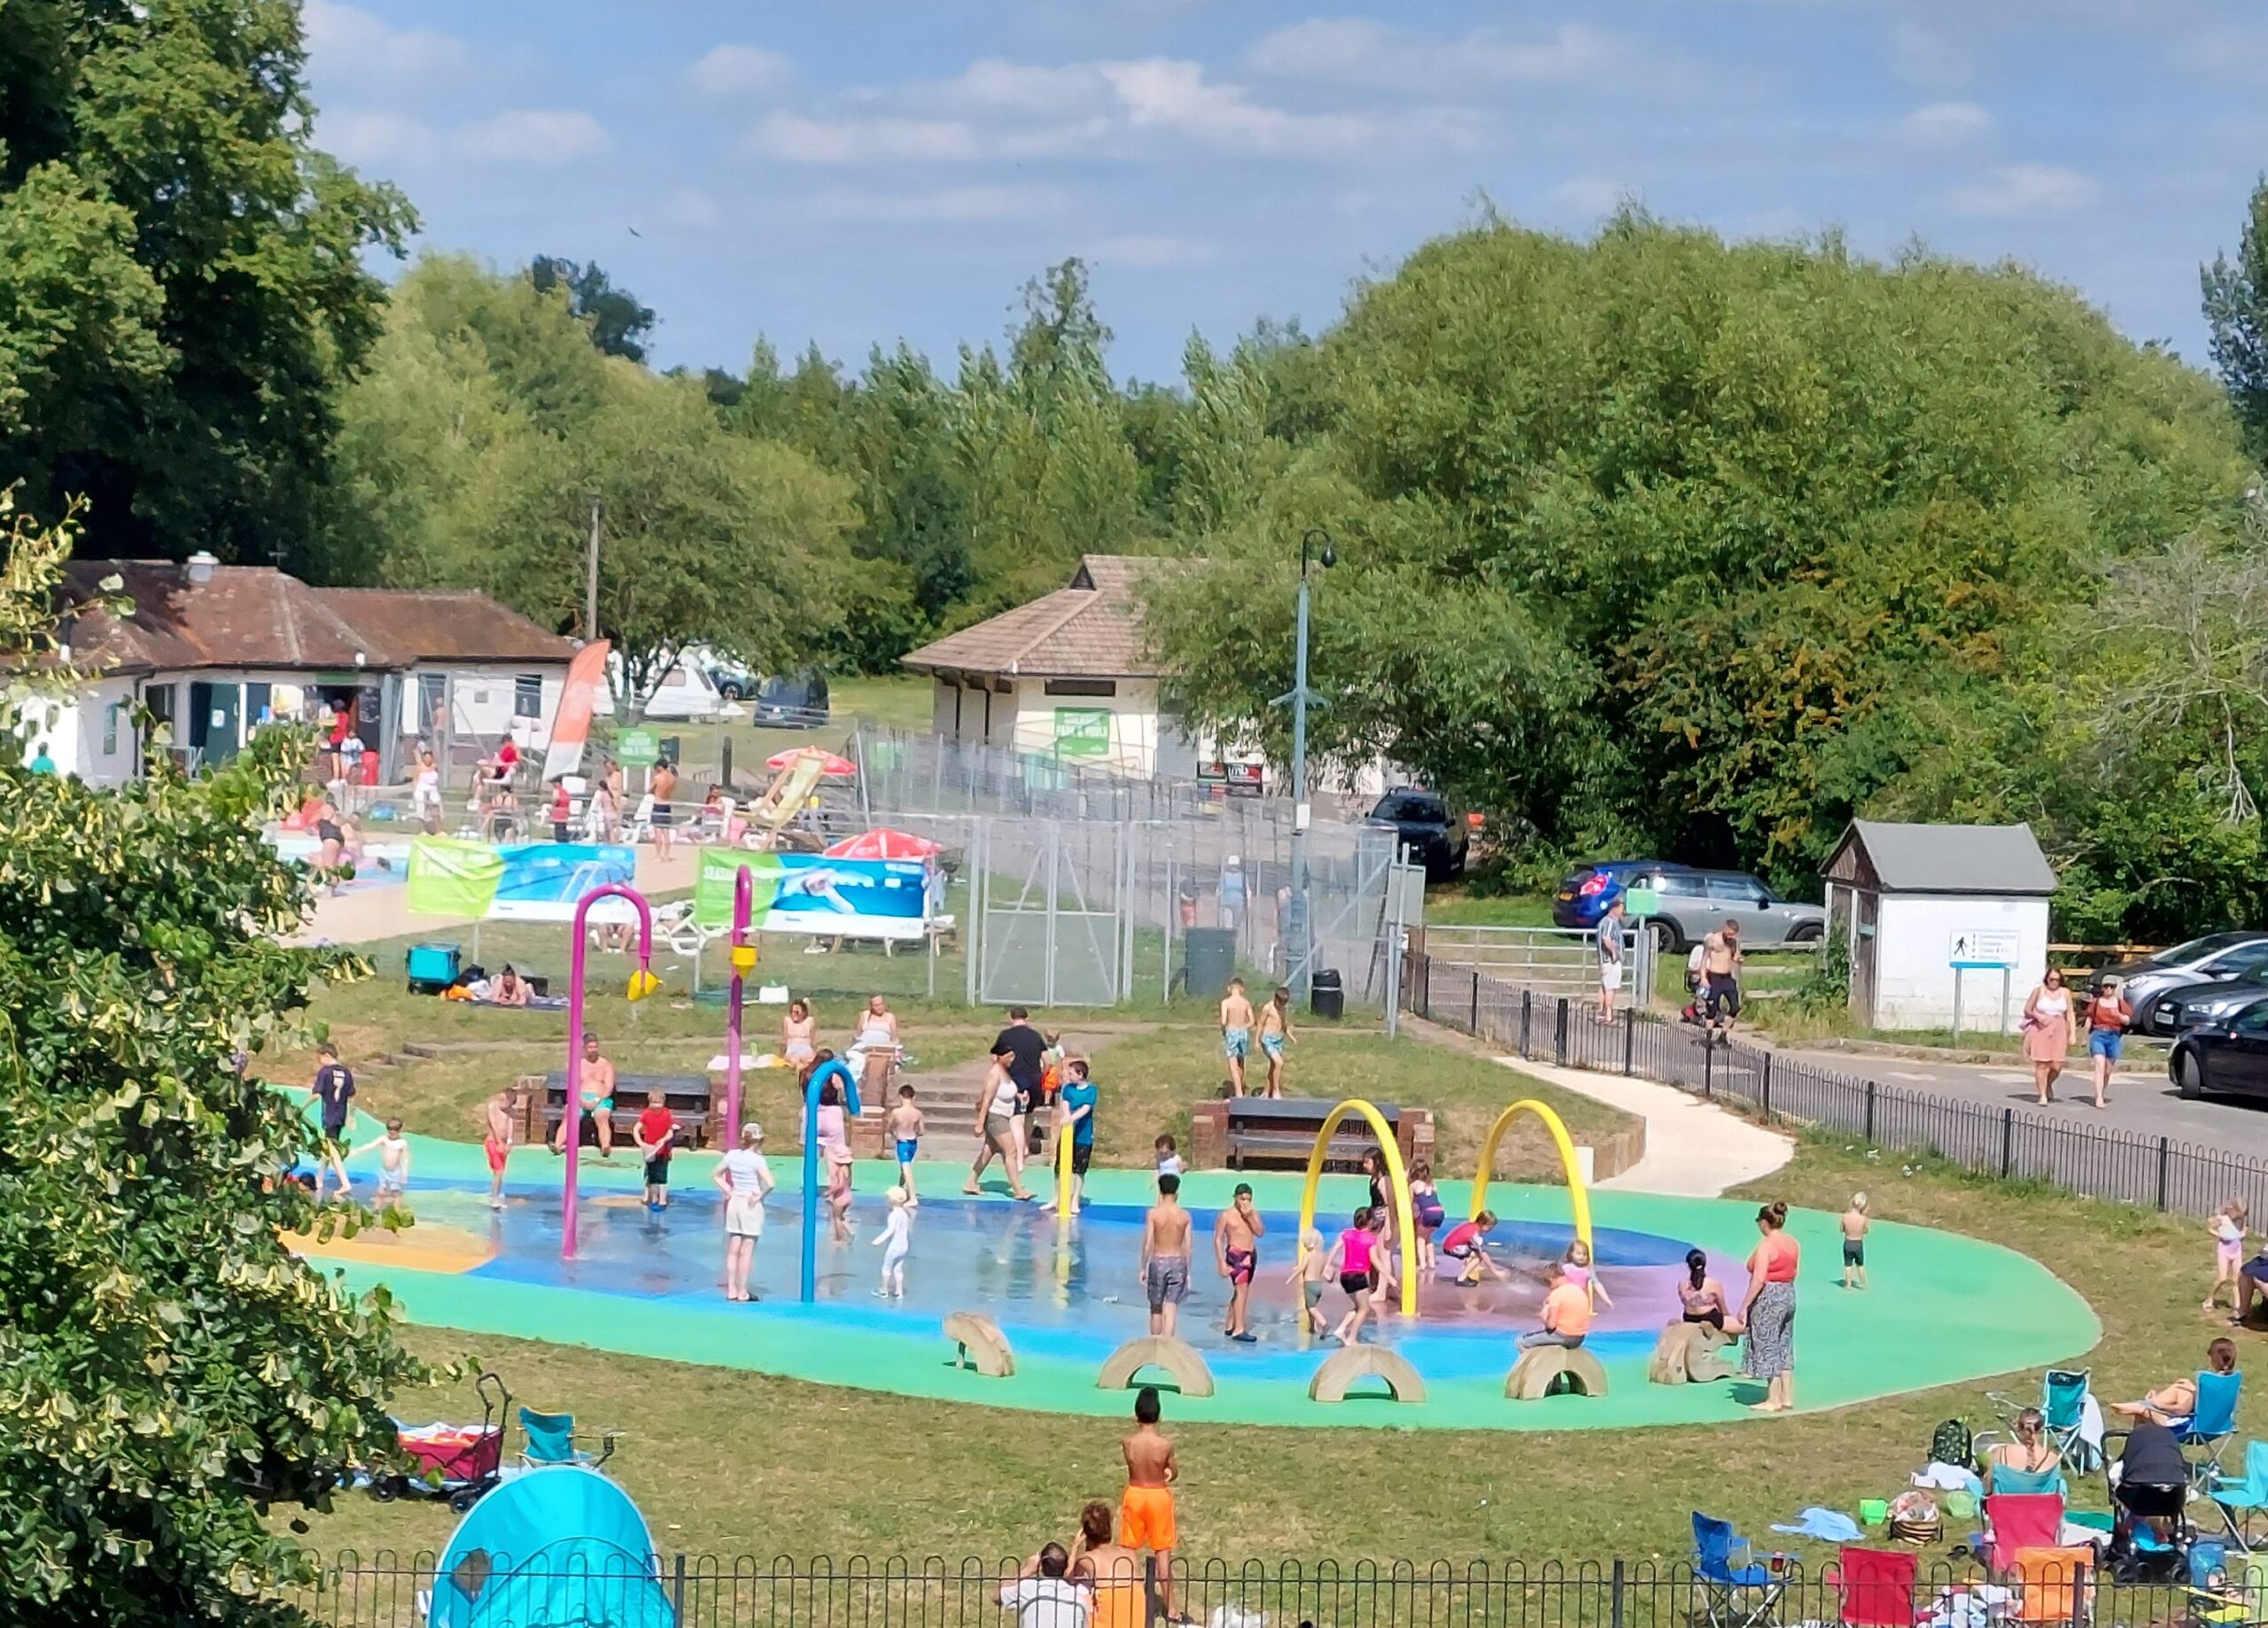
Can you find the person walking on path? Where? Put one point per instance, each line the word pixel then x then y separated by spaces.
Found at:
pixel 1236 1021
pixel 2048 1034
pixel 334 1092
pixel 1609 959
pixel 1770 1311
pixel 2109 1014
pixel 996 1122
pixel 1276 1035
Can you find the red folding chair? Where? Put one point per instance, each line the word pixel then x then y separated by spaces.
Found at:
pixel 2017 1521
pixel 1876 1586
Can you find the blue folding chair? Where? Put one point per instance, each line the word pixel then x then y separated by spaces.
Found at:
pixel 2010 1481
pixel 550 1439
pixel 2062 1409
pixel 2240 1497
pixel 2211 1426
pixel 1734 1591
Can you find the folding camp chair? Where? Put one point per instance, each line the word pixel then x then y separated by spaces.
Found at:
pixel 2238 1598
pixel 2237 1497
pixel 1734 1592
pixel 2210 1426
pixel 2049 1585
pixel 550 1439
pixel 2062 1407
pixel 1876 1588
pixel 2015 1521
pixel 2009 1481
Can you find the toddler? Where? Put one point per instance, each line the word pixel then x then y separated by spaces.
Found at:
pixel 1426 1216
pixel 1577 1270
pixel 894 1239
pixel 1310 1272
pixel 1169 1160
pixel 2228 1230
pixel 1854 1244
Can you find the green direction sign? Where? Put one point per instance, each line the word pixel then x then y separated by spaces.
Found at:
pixel 1642 902
pixel 638 748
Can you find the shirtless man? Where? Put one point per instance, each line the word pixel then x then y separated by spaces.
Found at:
pixel 497 1144
pixel 597 1106
pixel 1275 1036
pixel 1236 1033
pixel 1236 1251
pixel 1146 1514
pixel 1165 1256
pixel 1720 964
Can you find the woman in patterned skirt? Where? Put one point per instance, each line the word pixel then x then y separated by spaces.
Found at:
pixel 1770 1310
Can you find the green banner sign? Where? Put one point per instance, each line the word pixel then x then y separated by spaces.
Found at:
pixel 449 878
pixel 1642 902
pixel 638 748
pixel 1082 731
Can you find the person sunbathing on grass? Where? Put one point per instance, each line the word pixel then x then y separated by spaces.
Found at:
pixel 2175 1401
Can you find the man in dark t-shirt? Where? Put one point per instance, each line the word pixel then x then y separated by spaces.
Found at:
pixel 1020 1048
pixel 334 1089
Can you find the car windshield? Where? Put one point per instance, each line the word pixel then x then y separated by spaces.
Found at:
pixel 2198 948
pixel 786 691
pixel 1405 806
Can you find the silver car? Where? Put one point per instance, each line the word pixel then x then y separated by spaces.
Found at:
pixel 1695 903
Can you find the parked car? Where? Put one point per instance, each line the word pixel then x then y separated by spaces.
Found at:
pixel 1693 904
pixel 2215 957
pixel 2227 1057
pixel 1431 832
pixel 733 681
pixel 2187 1005
pixel 684 692
pixel 793 700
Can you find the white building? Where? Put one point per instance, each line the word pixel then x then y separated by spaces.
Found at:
pixel 1925 910
pixel 218 649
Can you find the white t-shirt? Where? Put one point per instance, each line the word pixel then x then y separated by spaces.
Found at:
pixel 1047 1602
pixel 429 785
pixel 749 1172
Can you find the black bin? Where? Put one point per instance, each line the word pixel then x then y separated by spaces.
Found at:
pixel 1327 998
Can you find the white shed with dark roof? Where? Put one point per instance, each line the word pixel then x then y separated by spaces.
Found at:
pixel 1933 913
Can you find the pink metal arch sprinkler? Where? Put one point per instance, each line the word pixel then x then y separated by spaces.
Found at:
pixel 642 983
pixel 743 963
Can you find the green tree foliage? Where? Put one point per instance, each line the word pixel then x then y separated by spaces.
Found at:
pixel 1661 544
pixel 168 1373
pixel 180 272
pixel 618 321
pixel 2236 311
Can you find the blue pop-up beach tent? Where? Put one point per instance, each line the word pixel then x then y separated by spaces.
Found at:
pixel 557 1547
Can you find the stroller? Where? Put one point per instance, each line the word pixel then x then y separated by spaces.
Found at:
pixel 459 1462
pixel 2148 1482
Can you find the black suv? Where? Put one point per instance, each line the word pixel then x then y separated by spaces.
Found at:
pixel 1432 833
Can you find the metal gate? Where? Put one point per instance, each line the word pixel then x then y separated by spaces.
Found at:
pixel 1051 929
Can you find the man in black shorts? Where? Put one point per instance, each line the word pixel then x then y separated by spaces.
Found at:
pixel 1020 1048
pixel 1721 961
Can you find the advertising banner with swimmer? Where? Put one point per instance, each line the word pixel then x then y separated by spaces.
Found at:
pixel 814 894
pixel 535 881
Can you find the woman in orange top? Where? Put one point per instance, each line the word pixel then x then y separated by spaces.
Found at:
pixel 1770 1310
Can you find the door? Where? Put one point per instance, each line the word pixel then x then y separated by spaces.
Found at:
pixel 1865 917
pixel 1685 902
pixel 1735 898
pixel 224 730
pixel 2241 1062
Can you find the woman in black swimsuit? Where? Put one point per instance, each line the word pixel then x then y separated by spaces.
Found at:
pixel 1702 1296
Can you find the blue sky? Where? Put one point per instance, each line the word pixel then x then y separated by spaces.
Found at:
pixel 850 172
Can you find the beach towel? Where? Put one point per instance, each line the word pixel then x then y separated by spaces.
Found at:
pixel 1827 1526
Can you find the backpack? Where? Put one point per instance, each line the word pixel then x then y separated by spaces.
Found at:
pixel 1951 1444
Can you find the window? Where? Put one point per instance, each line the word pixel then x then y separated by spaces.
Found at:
pixel 527 695
pixel 2253 1019
pixel 1680 885
pixel 1081 686
pixel 2234 961
pixel 1735 890
pixel 1404 806
pixel 110 729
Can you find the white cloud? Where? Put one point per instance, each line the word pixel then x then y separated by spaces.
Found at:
pixel 1944 124
pixel 737 70
pixel 370 137
pixel 1167 93
pixel 347 43
pixel 1589 195
pixel 800 140
pixel 1145 249
pixel 2017 191
pixel 536 135
pixel 945 204
pixel 992 85
pixel 1360 52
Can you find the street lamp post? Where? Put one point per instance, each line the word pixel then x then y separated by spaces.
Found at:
pixel 1300 935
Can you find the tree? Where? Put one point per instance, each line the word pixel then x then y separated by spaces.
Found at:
pixel 169 1374
pixel 618 323
pixel 181 276
pixel 2236 310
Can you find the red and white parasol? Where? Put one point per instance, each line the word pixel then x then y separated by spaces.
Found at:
pixel 884 844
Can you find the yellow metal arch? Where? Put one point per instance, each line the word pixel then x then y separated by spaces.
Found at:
pixel 1405 1232
pixel 1578 1196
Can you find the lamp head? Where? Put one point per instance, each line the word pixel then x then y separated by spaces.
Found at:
pixel 1329 557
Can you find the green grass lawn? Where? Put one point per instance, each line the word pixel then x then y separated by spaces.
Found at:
pixel 730 1463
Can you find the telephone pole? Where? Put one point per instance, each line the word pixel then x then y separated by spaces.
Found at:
pixel 591 575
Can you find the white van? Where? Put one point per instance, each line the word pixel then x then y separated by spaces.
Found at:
pixel 685 694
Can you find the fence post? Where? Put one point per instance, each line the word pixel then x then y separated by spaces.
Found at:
pixel 2007 1142
pixel 1630 1037
pixel 2165 1150
pixel 1708 1070
pixel 1870 1111
pixel 1767 1085
pixel 1559 1034
pixel 1475 1027
pixel 677 1587
pixel 2080 1596
pixel 1527 1006
pixel 1614 1605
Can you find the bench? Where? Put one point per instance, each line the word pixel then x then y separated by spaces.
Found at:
pixel 1256 1132
pixel 691 1099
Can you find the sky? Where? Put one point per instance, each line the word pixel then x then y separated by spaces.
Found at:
pixel 853 172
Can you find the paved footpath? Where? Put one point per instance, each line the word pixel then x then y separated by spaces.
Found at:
pixel 1694 1149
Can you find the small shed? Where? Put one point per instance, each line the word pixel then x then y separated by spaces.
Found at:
pixel 1938 916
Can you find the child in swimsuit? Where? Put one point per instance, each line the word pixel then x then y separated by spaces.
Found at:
pixel 2227 1229
pixel 834 1149
pixel 1426 1215
pixel 1854 1243
pixel 1236 1236
pixel 896 1238
pixel 1310 1272
pixel 1351 1258
pixel 905 1130
pixel 1577 1262
pixel 1468 1242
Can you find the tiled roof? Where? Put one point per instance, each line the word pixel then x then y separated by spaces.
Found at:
pixel 254 616
pixel 1089 629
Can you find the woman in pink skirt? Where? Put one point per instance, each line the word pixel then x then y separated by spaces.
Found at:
pixel 2048 1034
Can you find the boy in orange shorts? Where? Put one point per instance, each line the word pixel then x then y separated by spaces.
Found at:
pixel 1145 1511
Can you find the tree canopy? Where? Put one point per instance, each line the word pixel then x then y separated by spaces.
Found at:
pixel 182 284
pixel 2236 312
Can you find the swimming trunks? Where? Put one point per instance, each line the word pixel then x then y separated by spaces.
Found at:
pixel 1354 1283
pixel 1235 1044
pixel 1273 1044
pixel 906 1151
pixel 1311 1293
pixel 1168 1280
pixel 1241 1262
pixel 393 1182
pixel 1146 1518
pixel 658 1171
pixel 1854 1252
pixel 1430 1212
pixel 496 1152
pixel 1083 1154
pixel 1461 1251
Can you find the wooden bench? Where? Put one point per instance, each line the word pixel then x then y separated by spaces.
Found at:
pixel 1259 1132
pixel 691 1099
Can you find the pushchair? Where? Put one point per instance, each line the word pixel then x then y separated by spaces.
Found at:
pixel 2148 1481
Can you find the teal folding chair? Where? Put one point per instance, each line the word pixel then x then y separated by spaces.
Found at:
pixel 2240 1497
pixel 549 1438
pixel 2007 1480
pixel 2210 1426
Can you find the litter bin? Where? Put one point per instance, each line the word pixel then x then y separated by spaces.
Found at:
pixel 1210 956
pixel 1328 997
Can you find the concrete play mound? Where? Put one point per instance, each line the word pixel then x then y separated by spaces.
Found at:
pixel 979 1343
pixel 1178 1358
pixel 1341 1369
pixel 1691 1353
pixel 1555 1371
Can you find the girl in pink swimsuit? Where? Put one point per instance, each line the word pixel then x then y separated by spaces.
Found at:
pixel 1353 1258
